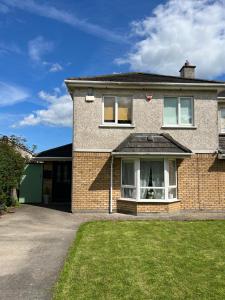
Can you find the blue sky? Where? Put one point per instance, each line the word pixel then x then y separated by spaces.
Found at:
pixel 44 42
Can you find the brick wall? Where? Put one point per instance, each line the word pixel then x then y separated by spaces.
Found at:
pixel 201 182
pixel 157 207
pixel 135 208
pixel 201 185
pixel 91 181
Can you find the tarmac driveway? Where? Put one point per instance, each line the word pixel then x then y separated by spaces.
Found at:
pixel 33 245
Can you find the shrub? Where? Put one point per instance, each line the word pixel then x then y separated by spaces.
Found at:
pixel 11 169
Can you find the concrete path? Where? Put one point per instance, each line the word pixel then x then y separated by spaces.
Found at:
pixel 34 242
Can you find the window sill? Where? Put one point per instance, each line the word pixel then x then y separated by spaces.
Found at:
pixel 117 126
pixel 178 127
pixel 150 200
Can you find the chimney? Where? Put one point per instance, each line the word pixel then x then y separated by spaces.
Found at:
pixel 187 71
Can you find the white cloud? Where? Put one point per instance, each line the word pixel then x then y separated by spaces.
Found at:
pixel 180 30
pixel 63 16
pixel 53 67
pixel 9 48
pixel 38 47
pixel 58 112
pixel 56 67
pixel 11 94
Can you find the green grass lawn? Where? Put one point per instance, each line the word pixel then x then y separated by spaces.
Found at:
pixel 145 260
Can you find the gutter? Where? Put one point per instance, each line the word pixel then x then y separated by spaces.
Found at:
pixel 151 153
pixel 52 158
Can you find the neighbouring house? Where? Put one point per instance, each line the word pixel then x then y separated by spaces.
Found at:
pixel 145 143
pixel 19 147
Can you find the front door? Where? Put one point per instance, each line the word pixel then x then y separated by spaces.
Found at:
pixel 62 174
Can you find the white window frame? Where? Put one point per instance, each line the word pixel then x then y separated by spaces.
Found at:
pixel 137 180
pixel 116 111
pixel 220 119
pixel 166 164
pixel 178 117
pixel 124 186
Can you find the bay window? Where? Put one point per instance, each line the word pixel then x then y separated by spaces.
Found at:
pixel 149 179
pixel 117 110
pixel 178 111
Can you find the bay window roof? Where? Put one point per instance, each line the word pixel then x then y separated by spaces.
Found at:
pixel 151 143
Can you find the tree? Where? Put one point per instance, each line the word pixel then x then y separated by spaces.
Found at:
pixel 11 168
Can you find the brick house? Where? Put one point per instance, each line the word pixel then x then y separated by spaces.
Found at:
pixel 148 143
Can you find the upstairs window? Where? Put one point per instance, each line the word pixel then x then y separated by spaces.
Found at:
pixel 109 109
pixel 178 111
pixel 222 119
pixel 117 110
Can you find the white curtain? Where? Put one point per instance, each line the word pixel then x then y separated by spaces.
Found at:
pixel 152 173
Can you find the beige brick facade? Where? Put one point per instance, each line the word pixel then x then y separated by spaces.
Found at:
pixel 201 185
pixel 91 181
pixel 201 182
pixel 141 208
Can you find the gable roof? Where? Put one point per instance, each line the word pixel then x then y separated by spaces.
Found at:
pixel 151 143
pixel 142 77
pixel 64 151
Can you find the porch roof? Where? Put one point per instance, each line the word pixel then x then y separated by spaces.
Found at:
pixel 151 144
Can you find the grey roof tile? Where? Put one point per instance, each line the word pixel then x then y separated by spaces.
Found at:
pixel 142 77
pixel 152 143
pixel 62 151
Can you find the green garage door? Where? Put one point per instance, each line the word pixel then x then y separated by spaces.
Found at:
pixel 31 184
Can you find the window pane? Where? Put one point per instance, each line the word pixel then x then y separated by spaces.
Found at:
pixel 128 173
pixel 170 111
pixel 172 193
pixel 172 172
pixel 222 119
pixel 152 173
pixel 186 111
pixel 151 193
pixel 109 109
pixel 129 193
pixel 124 110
